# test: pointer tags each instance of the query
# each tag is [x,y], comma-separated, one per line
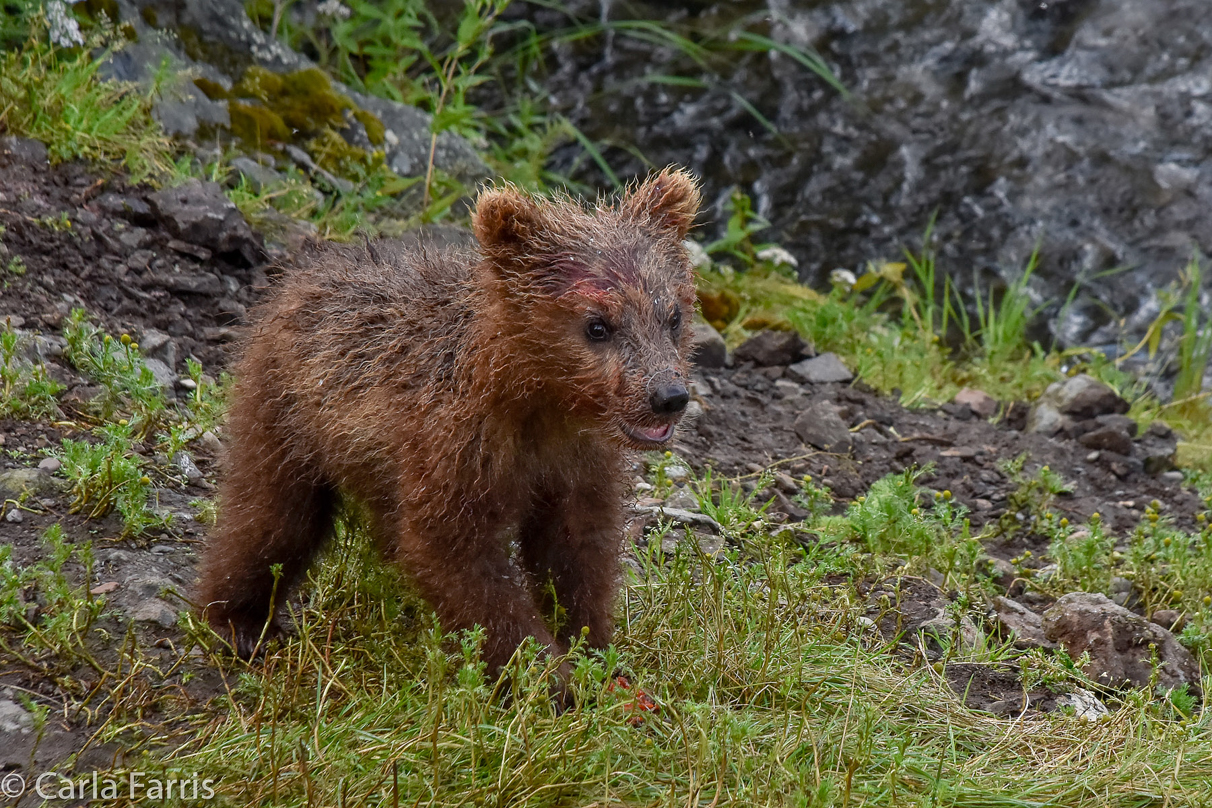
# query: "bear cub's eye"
[597,330]
[675,320]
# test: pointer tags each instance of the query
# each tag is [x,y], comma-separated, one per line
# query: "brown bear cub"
[471,401]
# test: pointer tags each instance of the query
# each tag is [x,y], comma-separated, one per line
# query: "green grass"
[771,692]
[26,389]
[55,95]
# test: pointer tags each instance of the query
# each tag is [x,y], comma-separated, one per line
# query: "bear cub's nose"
[669,399]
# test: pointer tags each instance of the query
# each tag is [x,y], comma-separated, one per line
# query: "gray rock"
[981,403]
[15,719]
[164,375]
[158,345]
[128,207]
[1158,449]
[304,161]
[1074,399]
[194,283]
[787,388]
[1108,439]
[50,465]
[211,441]
[822,427]
[1170,619]
[199,213]
[1120,643]
[1121,422]
[14,516]
[681,516]
[770,348]
[1045,419]
[147,587]
[407,138]
[707,346]
[827,367]
[156,611]
[1026,626]
[23,150]
[36,481]
[259,177]
[187,466]
[683,500]
[1084,396]
[1086,706]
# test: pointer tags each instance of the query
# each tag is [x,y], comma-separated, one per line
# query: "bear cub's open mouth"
[650,435]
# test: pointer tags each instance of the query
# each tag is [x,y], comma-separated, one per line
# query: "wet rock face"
[1080,123]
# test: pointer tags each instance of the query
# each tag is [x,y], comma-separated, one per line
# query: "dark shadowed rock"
[708,349]
[127,206]
[23,150]
[769,348]
[194,283]
[820,370]
[822,427]
[199,213]
[1121,644]
[1108,439]
[1086,397]
[1066,402]
[981,403]
[1120,422]
[1158,448]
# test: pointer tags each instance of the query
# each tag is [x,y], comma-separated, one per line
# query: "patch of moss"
[211,89]
[305,99]
[92,10]
[256,125]
[332,153]
[719,307]
[375,131]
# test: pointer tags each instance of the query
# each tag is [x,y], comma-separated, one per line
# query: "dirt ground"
[93,242]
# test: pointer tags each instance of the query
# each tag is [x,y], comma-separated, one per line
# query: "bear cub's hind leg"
[269,517]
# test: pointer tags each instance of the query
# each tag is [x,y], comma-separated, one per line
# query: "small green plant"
[1003,322]
[109,475]
[1029,505]
[1083,556]
[128,384]
[727,502]
[15,266]
[817,500]
[743,223]
[40,600]
[26,390]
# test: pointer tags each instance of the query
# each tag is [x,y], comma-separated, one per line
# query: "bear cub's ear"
[506,220]
[670,200]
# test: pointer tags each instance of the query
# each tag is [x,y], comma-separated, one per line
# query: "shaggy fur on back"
[467,399]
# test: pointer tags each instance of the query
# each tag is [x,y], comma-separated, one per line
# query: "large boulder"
[1121,644]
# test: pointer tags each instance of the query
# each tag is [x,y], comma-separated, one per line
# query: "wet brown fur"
[456,395]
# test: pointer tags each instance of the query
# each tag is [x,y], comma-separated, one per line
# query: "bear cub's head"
[605,297]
